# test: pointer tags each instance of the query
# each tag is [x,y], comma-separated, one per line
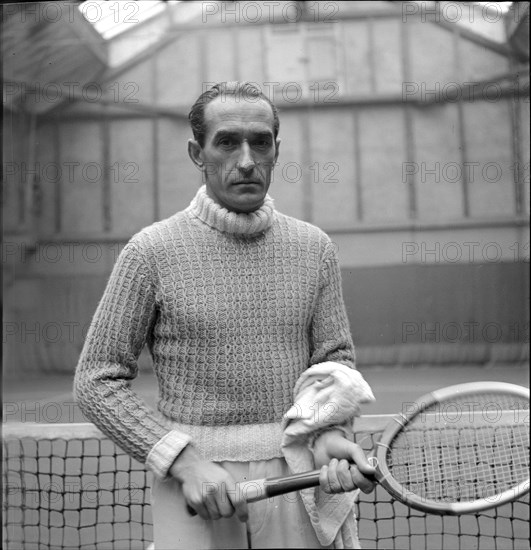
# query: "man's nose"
[246,162]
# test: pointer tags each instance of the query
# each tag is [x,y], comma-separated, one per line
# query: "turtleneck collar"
[218,217]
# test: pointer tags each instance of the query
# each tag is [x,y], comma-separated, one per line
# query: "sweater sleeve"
[330,336]
[108,363]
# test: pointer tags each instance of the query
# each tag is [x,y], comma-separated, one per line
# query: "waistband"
[240,443]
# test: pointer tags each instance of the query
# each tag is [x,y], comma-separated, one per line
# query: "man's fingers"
[323,479]
[333,480]
[362,472]
[225,507]
[212,506]
[199,508]
[242,512]
[365,484]
[203,503]
[359,458]
[344,476]
[238,503]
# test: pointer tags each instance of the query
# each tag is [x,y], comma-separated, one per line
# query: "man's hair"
[240,90]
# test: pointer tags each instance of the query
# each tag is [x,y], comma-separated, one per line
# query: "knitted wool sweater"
[233,307]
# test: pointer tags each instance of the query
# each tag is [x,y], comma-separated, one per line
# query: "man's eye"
[226,142]
[263,143]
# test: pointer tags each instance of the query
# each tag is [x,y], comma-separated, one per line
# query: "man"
[235,302]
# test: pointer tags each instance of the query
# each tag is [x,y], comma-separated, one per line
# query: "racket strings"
[464,449]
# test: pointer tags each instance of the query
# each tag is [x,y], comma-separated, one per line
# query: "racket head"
[457,450]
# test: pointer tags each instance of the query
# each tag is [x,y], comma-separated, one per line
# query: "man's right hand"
[208,488]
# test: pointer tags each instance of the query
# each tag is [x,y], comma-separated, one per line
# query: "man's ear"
[195,151]
[277,146]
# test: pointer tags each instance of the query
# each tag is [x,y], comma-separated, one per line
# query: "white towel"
[327,394]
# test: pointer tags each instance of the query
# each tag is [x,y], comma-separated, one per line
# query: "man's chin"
[246,197]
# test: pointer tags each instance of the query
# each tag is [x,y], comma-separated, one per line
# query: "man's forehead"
[231,111]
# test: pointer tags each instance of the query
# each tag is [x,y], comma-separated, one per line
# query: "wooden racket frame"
[264,488]
[395,489]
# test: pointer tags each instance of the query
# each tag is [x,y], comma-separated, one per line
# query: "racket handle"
[261,489]
[265,488]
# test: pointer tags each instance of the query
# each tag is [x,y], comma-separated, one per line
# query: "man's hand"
[208,488]
[343,464]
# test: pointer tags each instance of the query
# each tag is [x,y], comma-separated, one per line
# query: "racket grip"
[261,489]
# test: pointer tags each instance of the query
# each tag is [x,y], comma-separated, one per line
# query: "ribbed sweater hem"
[242,443]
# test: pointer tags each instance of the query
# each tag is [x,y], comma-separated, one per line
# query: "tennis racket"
[457,450]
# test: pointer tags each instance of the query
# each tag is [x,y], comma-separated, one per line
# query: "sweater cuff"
[165,451]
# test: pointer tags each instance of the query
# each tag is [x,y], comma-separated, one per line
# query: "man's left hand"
[344,466]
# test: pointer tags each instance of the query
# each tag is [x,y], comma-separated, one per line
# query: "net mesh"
[72,491]
[385,523]
[463,449]
[73,488]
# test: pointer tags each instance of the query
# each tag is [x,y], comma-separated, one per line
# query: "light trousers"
[279,522]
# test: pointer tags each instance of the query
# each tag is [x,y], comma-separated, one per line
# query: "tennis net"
[68,486]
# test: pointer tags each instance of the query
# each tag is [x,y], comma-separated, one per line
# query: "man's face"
[239,152]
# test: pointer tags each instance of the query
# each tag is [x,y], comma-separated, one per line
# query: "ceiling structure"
[51,50]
